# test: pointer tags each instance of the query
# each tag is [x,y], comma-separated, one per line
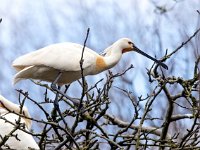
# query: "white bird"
[45,64]
[24,141]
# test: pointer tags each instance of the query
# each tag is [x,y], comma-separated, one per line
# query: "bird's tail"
[21,75]
[15,80]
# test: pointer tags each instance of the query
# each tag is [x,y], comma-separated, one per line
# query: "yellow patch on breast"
[100,64]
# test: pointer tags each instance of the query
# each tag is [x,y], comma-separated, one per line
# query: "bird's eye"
[129,42]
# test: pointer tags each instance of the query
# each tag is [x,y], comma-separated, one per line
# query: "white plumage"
[46,63]
[26,140]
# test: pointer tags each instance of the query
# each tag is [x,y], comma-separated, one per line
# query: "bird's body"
[25,140]
[45,64]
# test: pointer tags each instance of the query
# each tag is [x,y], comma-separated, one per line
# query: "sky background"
[30,25]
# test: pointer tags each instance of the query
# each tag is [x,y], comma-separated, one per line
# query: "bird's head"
[127,45]
[120,46]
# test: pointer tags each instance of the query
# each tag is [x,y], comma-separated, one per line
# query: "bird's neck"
[112,58]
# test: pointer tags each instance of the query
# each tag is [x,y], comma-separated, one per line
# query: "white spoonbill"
[45,64]
[25,141]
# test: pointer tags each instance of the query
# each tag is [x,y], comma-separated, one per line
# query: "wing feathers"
[62,56]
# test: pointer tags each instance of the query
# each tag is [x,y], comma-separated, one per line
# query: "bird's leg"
[53,114]
[56,105]
[54,87]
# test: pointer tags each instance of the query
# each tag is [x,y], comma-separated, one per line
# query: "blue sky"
[30,25]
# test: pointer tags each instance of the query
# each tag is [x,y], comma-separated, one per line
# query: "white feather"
[45,64]
[57,57]
[25,141]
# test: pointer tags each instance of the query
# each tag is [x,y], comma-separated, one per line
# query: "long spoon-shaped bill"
[157,61]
